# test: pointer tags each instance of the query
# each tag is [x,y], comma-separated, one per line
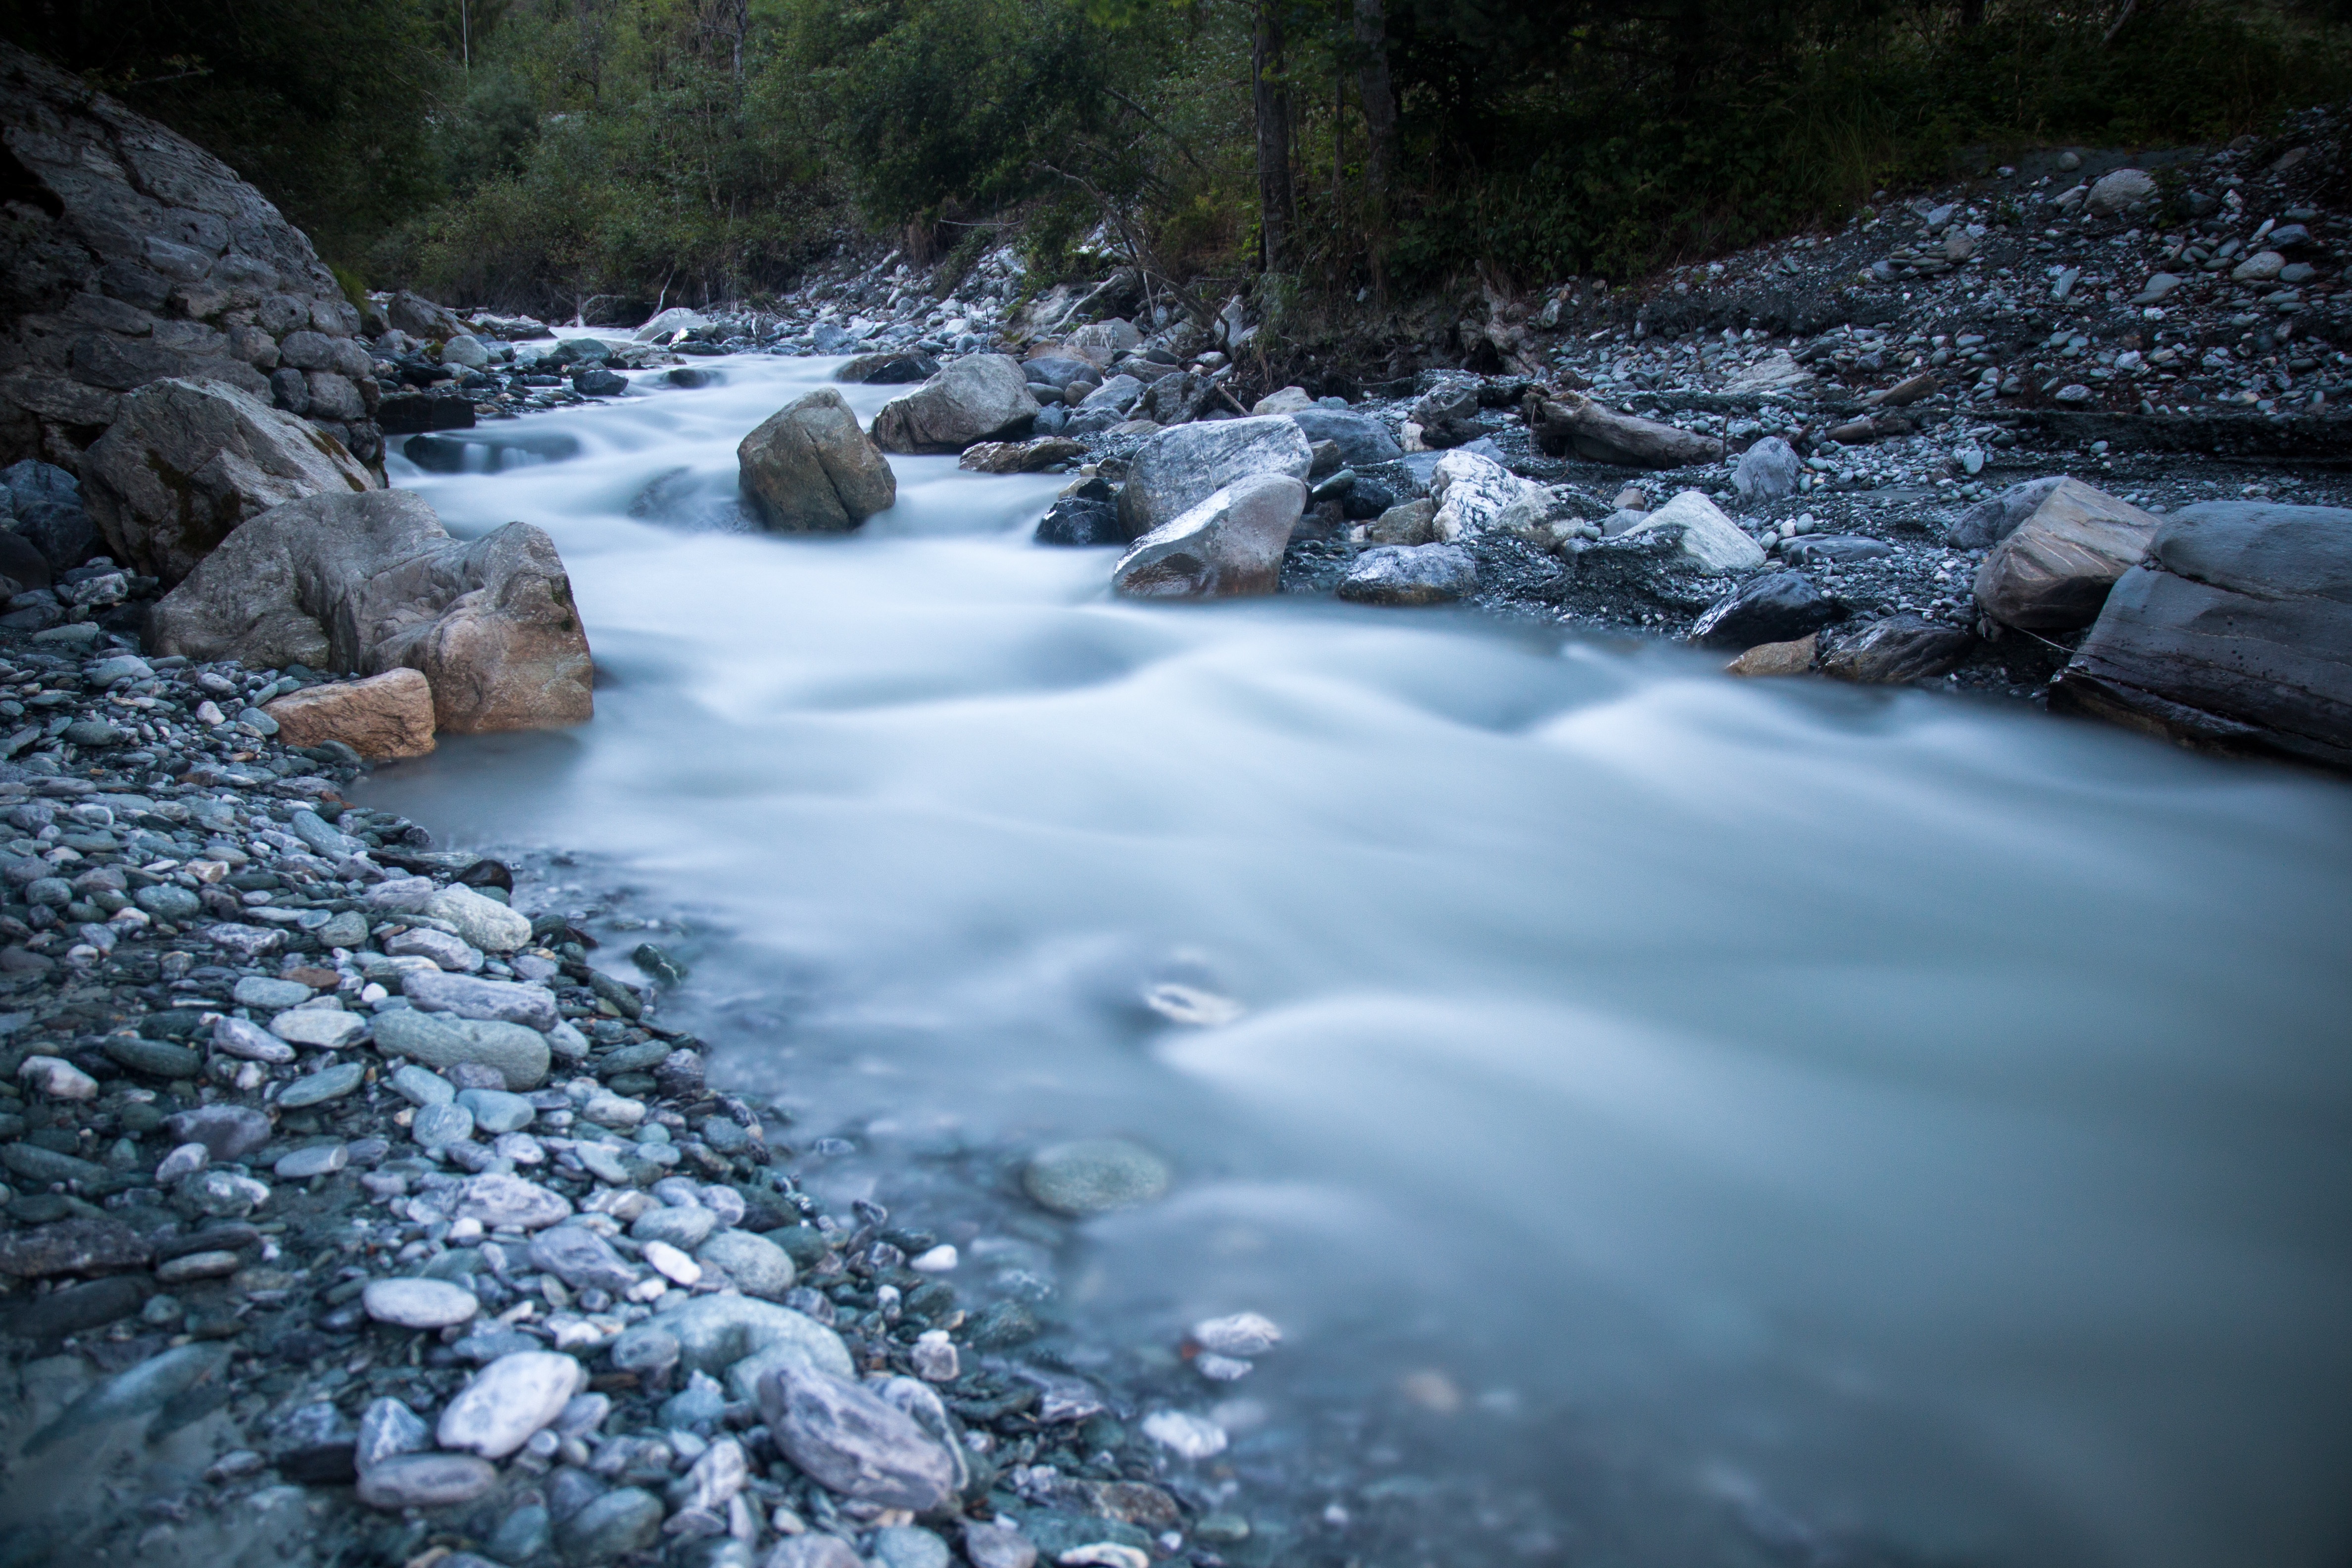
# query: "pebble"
[185,1161]
[191,1266]
[446,951]
[328,1028]
[1095,1175]
[228,1132]
[508,1400]
[418,1086]
[939,1259]
[495,1111]
[258,991]
[502,1001]
[1241,1334]
[757,1266]
[236,1037]
[319,1160]
[814,1551]
[436,1126]
[426,1481]
[904,1546]
[1188,1436]
[329,1083]
[581,1259]
[671,1264]
[225,1195]
[388,1428]
[1105,1554]
[935,1358]
[500,1200]
[684,1227]
[622,1521]
[419,1304]
[997,1545]
[57,1078]
[854,1442]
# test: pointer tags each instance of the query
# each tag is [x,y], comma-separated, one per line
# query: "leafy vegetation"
[535,152]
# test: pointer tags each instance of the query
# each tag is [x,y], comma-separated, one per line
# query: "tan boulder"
[1777,658]
[383,718]
[2053,572]
[809,468]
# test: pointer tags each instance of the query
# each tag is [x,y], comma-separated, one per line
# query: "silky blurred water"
[1895,1114]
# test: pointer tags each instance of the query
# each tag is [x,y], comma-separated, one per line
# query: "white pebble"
[939,1259]
[670,1262]
[1189,1436]
[57,1077]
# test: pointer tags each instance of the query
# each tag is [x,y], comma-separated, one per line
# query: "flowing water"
[1875,1117]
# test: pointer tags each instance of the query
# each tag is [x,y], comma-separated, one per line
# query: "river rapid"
[1740,1121]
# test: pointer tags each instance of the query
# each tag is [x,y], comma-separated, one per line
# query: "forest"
[531,153]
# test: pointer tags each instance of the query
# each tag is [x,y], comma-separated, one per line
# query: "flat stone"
[260,991]
[854,1442]
[319,1160]
[228,1132]
[624,1521]
[997,1545]
[419,1085]
[502,1200]
[458,956]
[438,1040]
[713,1332]
[581,1259]
[1095,1175]
[905,1546]
[249,1042]
[684,1227]
[507,1401]
[426,1481]
[153,1058]
[420,1304]
[317,1087]
[76,1308]
[82,1246]
[136,1391]
[191,1266]
[45,1165]
[435,1127]
[495,1111]
[328,1028]
[468,996]
[483,922]
[816,1550]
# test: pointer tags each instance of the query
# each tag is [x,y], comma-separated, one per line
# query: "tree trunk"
[1271,98]
[1380,102]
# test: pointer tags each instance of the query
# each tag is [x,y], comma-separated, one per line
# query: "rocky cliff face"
[130,255]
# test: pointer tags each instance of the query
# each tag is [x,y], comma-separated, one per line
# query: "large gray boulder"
[2053,572]
[980,397]
[2235,634]
[809,468]
[1176,469]
[365,581]
[1411,575]
[188,461]
[1229,546]
[133,256]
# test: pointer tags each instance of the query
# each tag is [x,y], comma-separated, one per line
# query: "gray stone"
[435,1127]
[507,1401]
[236,1038]
[228,1132]
[852,1443]
[371,582]
[757,1266]
[258,991]
[317,1087]
[713,1332]
[809,468]
[329,1027]
[419,1303]
[136,1391]
[1229,545]
[484,922]
[1771,607]
[498,1199]
[997,1545]
[2113,193]
[426,1481]
[1996,517]
[581,1259]
[452,953]
[813,1550]
[1175,471]
[1474,493]
[1767,471]
[419,1087]
[1095,1175]
[624,1521]
[319,1159]
[905,1546]
[230,455]
[495,1110]
[167,903]
[683,1227]
[468,996]
[1411,575]
[1708,541]
[1899,649]
[387,1429]
[980,397]
[519,1054]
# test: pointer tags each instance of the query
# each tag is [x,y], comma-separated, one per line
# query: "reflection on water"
[1892,1111]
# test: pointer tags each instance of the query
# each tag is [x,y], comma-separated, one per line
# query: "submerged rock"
[1095,1175]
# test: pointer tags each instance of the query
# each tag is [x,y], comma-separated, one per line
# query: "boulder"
[1767,471]
[1228,547]
[1565,422]
[383,718]
[1411,575]
[1777,606]
[1900,648]
[854,1442]
[677,319]
[2234,634]
[1364,440]
[1474,493]
[1710,542]
[2124,188]
[2053,572]
[1175,399]
[980,397]
[421,318]
[1776,657]
[1994,519]
[808,469]
[1103,342]
[1088,514]
[1413,522]
[1290,400]
[371,582]
[1117,394]
[1032,456]
[1176,469]
[898,367]
[187,462]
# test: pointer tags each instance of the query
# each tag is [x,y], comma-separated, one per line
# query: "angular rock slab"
[1710,542]
[1902,648]
[2053,571]
[2235,634]
[383,718]
[980,397]
[809,468]
[1228,547]
[1411,575]
[187,462]
[369,582]
[1777,606]
[1177,469]
[851,1442]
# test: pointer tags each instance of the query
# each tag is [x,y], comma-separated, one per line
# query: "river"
[1860,1117]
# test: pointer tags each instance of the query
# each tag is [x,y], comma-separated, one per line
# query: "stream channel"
[1675,1120]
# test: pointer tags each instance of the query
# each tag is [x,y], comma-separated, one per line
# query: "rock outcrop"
[368,582]
[980,397]
[809,468]
[2233,635]
[187,461]
[132,256]
[1176,469]
[1228,547]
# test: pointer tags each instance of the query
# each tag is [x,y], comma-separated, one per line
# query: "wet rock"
[137,1391]
[435,1127]
[1239,1334]
[260,991]
[1710,542]
[419,1303]
[495,1111]
[1186,1435]
[368,583]
[1777,606]
[854,1442]
[997,1545]
[1229,545]
[224,1195]
[437,991]
[683,1227]
[57,1078]
[980,397]
[1767,471]
[319,1159]
[77,1308]
[581,1259]
[236,1038]
[1363,441]
[1032,456]
[1089,516]
[508,1400]
[895,368]
[1777,658]
[481,922]
[814,1551]
[1095,1175]
[712,1333]
[1901,647]
[383,718]
[41,1165]
[757,1266]
[154,1059]
[387,1429]
[72,1247]
[186,462]
[624,1521]
[1400,574]
[2053,572]
[498,1199]
[1474,493]
[1176,470]
[228,1132]
[330,1028]
[1565,422]
[904,1546]
[809,468]
[328,1083]
[426,1481]
[2235,634]
[455,954]
[518,1055]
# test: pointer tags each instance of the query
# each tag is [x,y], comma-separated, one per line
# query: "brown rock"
[381,718]
[2053,573]
[809,468]
[1777,658]
[1020,457]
